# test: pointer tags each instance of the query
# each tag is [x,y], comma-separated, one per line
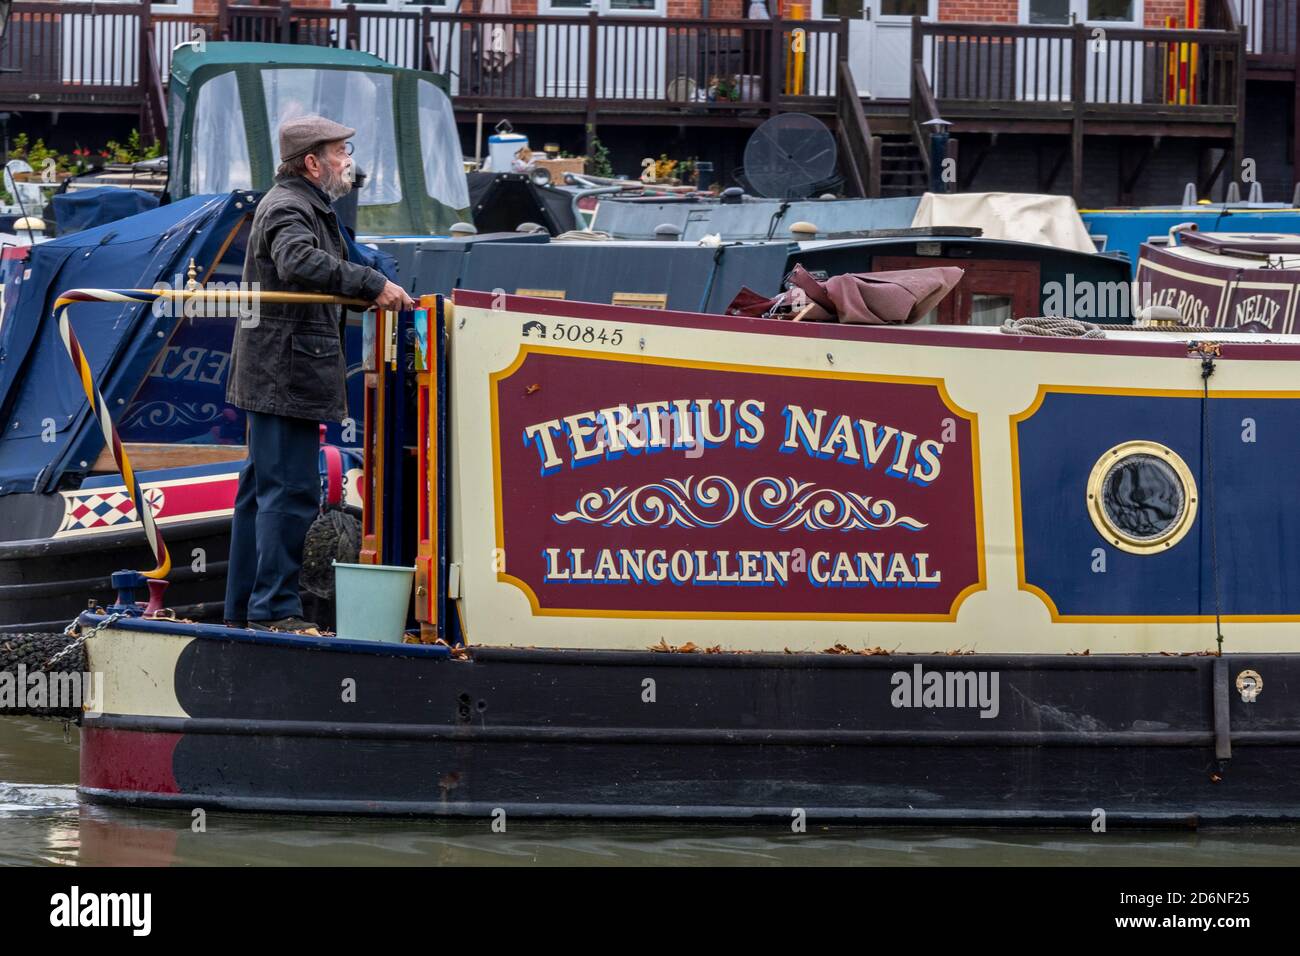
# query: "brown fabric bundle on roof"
[865,298]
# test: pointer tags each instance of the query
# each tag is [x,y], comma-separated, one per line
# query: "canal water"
[42,822]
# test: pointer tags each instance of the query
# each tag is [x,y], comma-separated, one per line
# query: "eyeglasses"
[348,146]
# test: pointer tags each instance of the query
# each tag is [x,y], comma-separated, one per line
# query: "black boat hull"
[265,723]
[46,582]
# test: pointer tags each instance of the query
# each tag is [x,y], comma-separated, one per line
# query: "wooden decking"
[591,71]
[1075,81]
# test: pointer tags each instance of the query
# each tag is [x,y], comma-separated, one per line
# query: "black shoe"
[238,625]
[294,625]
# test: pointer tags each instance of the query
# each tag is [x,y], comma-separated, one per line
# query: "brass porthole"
[1142,497]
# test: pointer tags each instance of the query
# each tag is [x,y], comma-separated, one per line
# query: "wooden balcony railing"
[1271,27]
[1023,71]
[860,149]
[69,53]
[923,108]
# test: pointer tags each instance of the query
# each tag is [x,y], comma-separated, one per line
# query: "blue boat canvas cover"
[48,429]
[88,208]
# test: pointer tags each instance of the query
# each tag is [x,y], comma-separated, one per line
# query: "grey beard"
[335,185]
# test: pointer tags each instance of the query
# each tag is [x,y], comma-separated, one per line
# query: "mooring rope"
[1207,369]
[162,559]
[1053,325]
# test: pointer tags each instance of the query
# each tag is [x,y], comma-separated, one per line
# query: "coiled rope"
[1053,325]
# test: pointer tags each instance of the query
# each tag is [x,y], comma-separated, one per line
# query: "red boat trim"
[128,760]
[1175,347]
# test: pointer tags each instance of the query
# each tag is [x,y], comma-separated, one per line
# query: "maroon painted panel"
[1208,293]
[645,487]
[129,760]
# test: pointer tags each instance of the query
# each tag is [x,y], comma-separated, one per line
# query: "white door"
[880,41]
[890,23]
[1114,67]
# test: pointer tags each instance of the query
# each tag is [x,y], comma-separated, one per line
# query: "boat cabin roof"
[1250,243]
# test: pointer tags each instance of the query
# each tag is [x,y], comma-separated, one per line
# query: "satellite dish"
[791,156]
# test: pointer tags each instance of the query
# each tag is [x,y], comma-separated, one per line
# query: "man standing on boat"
[287,368]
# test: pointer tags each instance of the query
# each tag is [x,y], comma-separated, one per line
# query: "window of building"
[398,4]
[645,8]
[1061,12]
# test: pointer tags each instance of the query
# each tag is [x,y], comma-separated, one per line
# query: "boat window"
[219,146]
[355,98]
[444,174]
[990,309]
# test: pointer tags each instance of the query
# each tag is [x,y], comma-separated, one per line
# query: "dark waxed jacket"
[288,360]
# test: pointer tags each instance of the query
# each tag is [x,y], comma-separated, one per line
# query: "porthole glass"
[1142,497]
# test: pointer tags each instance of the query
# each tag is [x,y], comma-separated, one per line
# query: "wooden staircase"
[902,169]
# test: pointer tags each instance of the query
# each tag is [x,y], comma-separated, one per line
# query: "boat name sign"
[654,487]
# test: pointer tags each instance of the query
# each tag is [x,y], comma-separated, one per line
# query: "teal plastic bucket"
[371,601]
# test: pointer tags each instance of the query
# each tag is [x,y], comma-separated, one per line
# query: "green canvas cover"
[228,99]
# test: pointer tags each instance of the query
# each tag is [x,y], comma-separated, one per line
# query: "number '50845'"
[586,333]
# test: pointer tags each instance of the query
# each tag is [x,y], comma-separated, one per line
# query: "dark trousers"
[278,499]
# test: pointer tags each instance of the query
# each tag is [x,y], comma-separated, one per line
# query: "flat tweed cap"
[302,134]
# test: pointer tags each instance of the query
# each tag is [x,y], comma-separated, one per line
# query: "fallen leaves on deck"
[865,652]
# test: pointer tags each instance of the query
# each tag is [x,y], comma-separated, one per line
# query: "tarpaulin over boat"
[49,428]
[503,201]
[87,208]
[1020,217]
[141,361]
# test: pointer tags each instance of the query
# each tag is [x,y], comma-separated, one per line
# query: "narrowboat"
[166,374]
[1245,280]
[682,565]
[1127,230]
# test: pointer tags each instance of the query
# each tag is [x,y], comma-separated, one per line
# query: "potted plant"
[47,165]
[724,88]
[81,161]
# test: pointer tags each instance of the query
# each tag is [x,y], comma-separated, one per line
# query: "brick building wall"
[979,11]
[1157,10]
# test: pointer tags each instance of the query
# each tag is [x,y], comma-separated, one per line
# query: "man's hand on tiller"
[394,297]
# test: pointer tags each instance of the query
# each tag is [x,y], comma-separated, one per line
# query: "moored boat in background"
[1228,280]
